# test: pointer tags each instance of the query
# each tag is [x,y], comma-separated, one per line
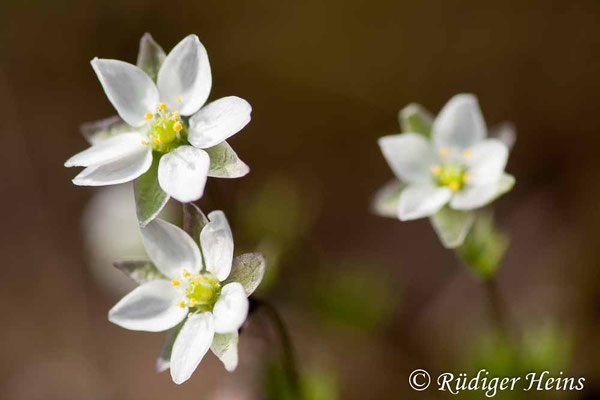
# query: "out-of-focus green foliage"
[315,384]
[541,348]
[357,298]
[484,247]
[274,218]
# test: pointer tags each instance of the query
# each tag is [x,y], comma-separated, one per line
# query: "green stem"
[288,353]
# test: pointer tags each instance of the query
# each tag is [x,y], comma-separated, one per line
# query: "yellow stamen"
[193,302]
[177,126]
[196,279]
[467,153]
[148,115]
[162,106]
[156,141]
[186,273]
[443,152]
[179,99]
[466,178]
[145,142]
[436,170]
[454,186]
[175,282]
[181,304]
[175,114]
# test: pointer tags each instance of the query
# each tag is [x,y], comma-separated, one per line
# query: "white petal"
[231,309]
[185,73]
[225,347]
[478,196]
[487,162]
[191,345]
[182,173]
[151,307]
[113,148]
[460,123]
[418,201]
[409,155]
[218,120]
[120,170]
[170,248]
[217,245]
[128,88]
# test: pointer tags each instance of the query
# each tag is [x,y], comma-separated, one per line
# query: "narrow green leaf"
[163,361]
[415,118]
[224,162]
[385,201]
[96,131]
[193,221]
[149,197]
[140,271]
[248,269]
[452,226]
[150,56]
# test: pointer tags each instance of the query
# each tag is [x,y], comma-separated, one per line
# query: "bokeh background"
[367,299]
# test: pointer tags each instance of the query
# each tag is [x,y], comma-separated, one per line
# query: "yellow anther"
[179,99]
[193,302]
[148,115]
[454,186]
[175,114]
[156,140]
[186,273]
[177,126]
[145,142]
[162,106]
[443,152]
[467,153]
[197,279]
[466,178]
[175,282]
[181,304]
[436,170]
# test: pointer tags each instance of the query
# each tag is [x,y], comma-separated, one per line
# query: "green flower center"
[167,129]
[453,176]
[201,291]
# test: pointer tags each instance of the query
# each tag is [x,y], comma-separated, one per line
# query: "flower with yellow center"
[167,119]
[213,306]
[459,166]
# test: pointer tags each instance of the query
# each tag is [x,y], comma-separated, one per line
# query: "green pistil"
[450,175]
[203,291]
[167,132]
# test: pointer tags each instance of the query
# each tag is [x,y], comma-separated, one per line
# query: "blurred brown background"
[325,79]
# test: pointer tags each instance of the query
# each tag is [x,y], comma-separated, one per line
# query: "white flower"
[168,119]
[459,166]
[187,288]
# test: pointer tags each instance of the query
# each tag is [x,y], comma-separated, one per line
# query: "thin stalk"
[288,353]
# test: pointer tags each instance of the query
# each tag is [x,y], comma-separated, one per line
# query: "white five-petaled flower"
[460,166]
[168,119]
[193,291]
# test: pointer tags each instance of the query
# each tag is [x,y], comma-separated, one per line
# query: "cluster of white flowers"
[191,286]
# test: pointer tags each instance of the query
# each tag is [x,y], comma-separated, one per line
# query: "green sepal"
[150,56]
[415,118]
[249,270]
[163,362]
[225,163]
[141,271]
[149,197]
[452,226]
[484,247]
